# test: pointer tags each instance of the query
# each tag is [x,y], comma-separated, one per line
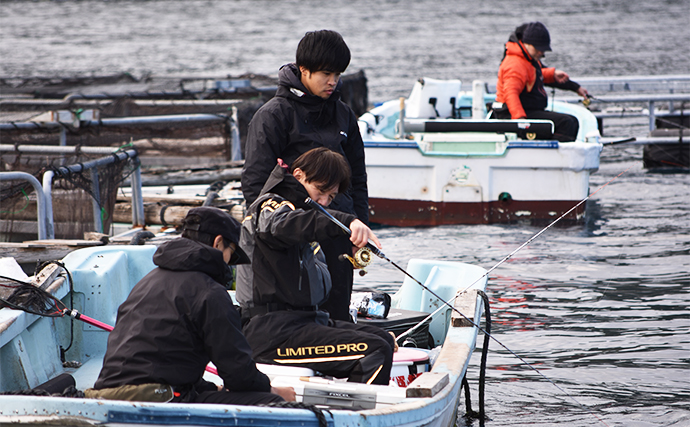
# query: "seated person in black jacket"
[281,291]
[178,318]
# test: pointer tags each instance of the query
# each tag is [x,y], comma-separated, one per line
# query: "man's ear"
[303,70]
[298,174]
[218,243]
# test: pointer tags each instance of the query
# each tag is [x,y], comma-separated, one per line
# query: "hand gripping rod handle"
[320,208]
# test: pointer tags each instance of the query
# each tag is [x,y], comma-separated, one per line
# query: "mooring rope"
[318,412]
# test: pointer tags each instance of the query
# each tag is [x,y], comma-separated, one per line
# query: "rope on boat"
[323,422]
[70,391]
[485,351]
[469,413]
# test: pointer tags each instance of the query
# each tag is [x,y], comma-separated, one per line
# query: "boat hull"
[413,213]
[102,278]
[472,171]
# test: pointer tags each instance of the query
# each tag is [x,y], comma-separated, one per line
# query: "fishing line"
[510,255]
[378,252]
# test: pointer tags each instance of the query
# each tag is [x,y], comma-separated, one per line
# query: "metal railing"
[45,224]
[649,99]
[44,191]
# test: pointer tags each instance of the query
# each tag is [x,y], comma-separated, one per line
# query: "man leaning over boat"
[178,318]
[281,292]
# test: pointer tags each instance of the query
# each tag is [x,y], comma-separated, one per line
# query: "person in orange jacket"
[520,89]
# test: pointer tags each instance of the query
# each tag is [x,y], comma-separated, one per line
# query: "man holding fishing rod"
[306,113]
[178,318]
[282,290]
[520,89]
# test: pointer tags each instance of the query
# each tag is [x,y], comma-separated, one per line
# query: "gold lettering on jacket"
[273,205]
[321,350]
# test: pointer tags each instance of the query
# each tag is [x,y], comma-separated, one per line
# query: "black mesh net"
[72,194]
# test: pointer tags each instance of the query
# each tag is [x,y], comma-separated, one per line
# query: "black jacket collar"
[282,183]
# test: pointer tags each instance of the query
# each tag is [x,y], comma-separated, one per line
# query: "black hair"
[323,50]
[325,168]
[199,236]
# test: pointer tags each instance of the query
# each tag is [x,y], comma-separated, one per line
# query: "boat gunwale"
[90,411]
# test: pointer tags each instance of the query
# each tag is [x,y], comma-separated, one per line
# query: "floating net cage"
[73,194]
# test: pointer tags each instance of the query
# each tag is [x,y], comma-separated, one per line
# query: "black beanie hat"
[537,35]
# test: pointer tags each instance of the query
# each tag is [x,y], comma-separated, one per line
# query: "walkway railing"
[44,192]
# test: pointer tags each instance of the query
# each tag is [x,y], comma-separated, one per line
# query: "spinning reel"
[362,258]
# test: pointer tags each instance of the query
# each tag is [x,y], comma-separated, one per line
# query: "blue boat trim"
[533,144]
[511,144]
[219,418]
[392,144]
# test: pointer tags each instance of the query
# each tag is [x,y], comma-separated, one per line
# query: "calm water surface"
[601,309]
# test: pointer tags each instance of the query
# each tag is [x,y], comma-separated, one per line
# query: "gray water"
[601,309]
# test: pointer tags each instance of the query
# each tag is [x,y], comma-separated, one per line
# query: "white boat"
[447,163]
[30,348]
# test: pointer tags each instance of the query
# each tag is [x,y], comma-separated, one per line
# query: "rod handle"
[346,229]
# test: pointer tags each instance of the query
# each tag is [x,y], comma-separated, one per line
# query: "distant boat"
[447,163]
[102,278]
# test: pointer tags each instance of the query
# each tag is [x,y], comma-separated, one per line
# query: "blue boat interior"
[33,348]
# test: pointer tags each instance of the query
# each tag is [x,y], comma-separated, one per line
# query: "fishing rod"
[510,255]
[378,252]
[375,250]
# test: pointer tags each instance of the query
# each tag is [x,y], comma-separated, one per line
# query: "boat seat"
[433,98]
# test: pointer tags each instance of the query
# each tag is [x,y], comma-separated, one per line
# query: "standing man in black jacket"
[178,318]
[307,113]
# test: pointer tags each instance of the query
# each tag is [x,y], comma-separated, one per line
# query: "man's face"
[319,83]
[533,51]
[228,251]
[322,197]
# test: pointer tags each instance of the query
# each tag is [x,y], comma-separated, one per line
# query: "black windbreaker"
[292,123]
[280,235]
[177,319]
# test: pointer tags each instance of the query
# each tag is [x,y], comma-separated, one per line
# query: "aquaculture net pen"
[73,193]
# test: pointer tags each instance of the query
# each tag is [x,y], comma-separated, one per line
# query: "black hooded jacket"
[280,234]
[294,122]
[177,319]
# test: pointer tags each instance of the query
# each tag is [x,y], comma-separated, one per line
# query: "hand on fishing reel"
[347,231]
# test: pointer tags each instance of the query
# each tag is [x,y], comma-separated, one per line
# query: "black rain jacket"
[292,123]
[177,319]
[280,234]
